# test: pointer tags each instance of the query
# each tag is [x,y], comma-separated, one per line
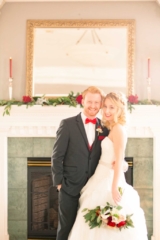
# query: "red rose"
[133,99]
[109,219]
[121,224]
[101,137]
[110,223]
[27,99]
[79,99]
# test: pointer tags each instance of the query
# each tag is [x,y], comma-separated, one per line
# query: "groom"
[75,156]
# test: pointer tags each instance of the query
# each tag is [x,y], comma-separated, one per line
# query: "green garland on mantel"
[72,100]
[142,102]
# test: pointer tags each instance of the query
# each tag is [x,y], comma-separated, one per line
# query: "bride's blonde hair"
[120,101]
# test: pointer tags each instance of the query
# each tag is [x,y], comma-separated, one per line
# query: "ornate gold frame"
[32,24]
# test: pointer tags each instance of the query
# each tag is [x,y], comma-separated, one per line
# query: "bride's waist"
[104,170]
[108,165]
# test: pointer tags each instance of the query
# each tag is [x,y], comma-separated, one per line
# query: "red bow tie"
[91,120]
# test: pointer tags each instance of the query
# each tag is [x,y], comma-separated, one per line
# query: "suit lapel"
[96,133]
[81,128]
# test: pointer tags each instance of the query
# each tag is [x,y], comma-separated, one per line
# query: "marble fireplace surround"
[38,121]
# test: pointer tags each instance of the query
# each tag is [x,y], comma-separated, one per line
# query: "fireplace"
[129,173]
[42,200]
[42,122]
[43,197]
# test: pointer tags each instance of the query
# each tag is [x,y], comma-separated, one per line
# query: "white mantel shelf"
[144,118]
[38,121]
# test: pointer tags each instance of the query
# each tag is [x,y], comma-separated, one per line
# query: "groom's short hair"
[93,89]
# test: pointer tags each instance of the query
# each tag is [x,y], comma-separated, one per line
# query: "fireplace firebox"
[43,198]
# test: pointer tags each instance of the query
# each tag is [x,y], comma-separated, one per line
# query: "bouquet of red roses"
[112,216]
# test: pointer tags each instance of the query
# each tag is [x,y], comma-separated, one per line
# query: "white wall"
[13,37]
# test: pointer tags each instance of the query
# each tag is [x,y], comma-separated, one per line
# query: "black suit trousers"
[68,206]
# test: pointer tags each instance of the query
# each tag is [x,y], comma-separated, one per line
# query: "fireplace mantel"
[144,120]
[38,121]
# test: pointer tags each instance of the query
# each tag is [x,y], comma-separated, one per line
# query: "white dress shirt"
[90,130]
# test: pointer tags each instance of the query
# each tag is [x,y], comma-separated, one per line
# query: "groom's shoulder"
[71,119]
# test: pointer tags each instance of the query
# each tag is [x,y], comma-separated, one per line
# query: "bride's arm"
[119,142]
[125,165]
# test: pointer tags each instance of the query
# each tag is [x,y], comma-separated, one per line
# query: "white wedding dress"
[97,192]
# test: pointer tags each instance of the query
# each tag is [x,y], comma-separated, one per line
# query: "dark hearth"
[129,173]
[43,198]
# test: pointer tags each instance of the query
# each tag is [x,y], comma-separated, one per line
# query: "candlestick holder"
[149,90]
[10,88]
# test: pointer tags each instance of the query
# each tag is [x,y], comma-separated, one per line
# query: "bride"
[103,186]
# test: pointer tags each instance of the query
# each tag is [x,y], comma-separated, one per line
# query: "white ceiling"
[76,0]
[2,2]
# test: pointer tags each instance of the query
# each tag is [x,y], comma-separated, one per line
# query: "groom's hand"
[59,187]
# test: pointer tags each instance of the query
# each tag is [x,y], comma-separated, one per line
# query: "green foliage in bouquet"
[92,217]
[111,216]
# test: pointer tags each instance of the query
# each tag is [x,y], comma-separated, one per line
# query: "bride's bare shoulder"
[118,129]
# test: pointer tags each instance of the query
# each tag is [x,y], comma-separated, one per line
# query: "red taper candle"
[10,67]
[148,67]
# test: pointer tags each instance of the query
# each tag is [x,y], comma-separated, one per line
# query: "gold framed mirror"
[69,55]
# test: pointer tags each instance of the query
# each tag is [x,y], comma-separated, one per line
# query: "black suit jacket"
[72,161]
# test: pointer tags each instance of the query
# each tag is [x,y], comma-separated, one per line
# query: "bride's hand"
[116,195]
